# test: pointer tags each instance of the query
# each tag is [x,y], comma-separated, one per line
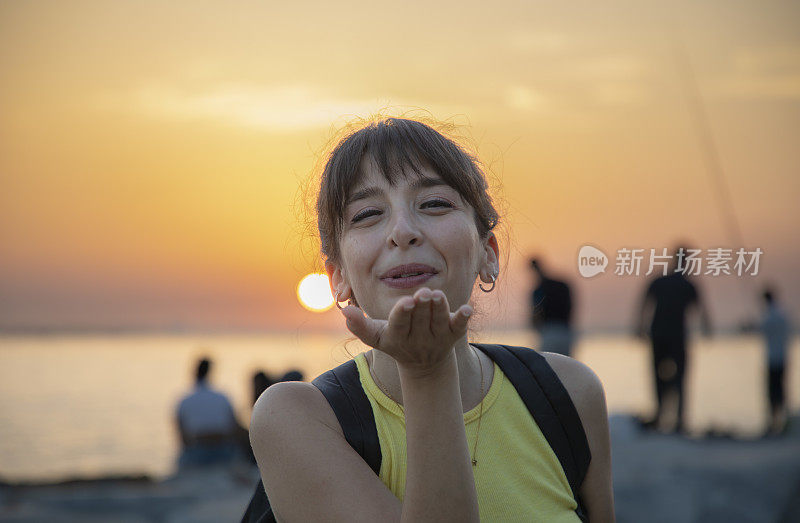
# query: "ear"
[491,262]
[337,281]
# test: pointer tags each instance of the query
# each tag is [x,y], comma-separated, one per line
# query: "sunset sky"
[153,154]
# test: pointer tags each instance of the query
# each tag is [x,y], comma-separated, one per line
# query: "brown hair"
[396,144]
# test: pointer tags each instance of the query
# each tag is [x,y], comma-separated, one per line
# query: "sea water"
[97,405]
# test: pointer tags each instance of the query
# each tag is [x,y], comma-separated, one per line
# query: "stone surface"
[657,478]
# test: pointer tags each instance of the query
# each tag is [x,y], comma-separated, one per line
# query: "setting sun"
[314,292]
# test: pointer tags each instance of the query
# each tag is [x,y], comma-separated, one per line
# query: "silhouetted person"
[261,382]
[775,328]
[672,296]
[292,375]
[207,424]
[551,306]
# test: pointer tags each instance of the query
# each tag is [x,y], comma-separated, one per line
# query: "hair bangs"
[398,148]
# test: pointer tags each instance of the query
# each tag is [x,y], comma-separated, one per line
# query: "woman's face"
[397,239]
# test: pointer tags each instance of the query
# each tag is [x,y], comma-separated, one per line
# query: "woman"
[406,230]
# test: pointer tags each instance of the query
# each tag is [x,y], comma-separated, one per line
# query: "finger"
[421,315]
[400,317]
[363,327]
[459,319]
[440,313]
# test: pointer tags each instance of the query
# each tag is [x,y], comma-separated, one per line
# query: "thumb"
[459,319]
[362,326]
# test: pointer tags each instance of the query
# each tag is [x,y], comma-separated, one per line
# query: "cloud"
[541,41]
[781,87]
[767,59]
[522,98]
[614,79]
[280,108]
[615,66]
[762,73]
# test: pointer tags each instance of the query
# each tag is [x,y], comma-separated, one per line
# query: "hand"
[420,332]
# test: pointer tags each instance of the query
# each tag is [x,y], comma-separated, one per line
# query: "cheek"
[461,240]
[357,255]
[354,249]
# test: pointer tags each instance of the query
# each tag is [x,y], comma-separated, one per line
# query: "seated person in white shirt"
[207,424]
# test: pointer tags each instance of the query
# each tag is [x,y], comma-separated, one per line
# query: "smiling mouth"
[406,276]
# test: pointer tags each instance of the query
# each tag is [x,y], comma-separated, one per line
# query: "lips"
[408,275]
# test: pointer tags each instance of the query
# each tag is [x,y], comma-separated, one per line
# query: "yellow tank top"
[518,476]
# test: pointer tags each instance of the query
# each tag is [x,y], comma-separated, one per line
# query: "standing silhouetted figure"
[551,305]
[671,297]
[775,328]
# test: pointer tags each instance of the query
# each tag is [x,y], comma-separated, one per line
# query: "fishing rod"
[713,164]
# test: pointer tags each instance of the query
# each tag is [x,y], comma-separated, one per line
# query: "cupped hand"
[420,332]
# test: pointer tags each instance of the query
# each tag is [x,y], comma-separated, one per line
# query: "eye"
[436,203]
[364,214]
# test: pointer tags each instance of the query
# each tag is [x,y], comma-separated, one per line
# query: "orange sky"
[151,153]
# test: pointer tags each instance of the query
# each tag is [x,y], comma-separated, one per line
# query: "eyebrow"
[422,182]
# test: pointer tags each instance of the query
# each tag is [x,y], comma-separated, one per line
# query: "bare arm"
[586,392]
[439,482]
[312,474]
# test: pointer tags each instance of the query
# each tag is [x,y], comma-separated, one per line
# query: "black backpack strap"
[535,381]
[259,511]
[341,386]
[551,407]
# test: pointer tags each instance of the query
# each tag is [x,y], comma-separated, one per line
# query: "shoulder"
[584,388]
[289,405]
[204,397]
[217,395]
[184,399]
[303,455]
[578,378]
[187,399]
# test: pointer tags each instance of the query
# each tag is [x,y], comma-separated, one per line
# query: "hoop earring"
[336,301]
[490,289]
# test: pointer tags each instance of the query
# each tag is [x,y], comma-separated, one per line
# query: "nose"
[404,231]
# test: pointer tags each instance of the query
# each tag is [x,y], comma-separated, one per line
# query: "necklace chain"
[480,415]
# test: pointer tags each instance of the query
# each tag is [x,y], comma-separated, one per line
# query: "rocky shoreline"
[657,478]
